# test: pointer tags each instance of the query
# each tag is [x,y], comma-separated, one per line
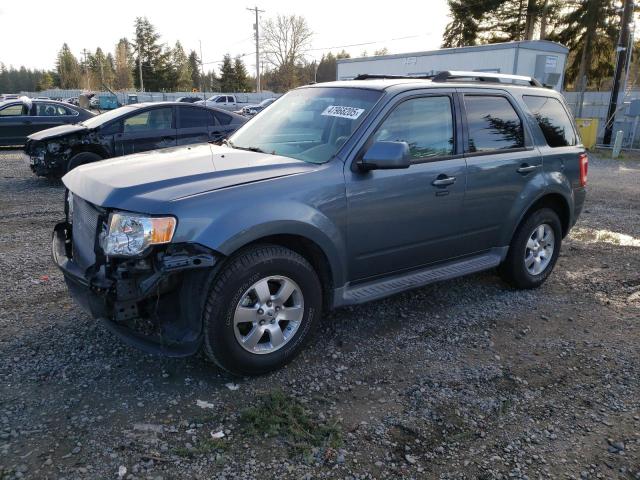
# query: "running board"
[365,292]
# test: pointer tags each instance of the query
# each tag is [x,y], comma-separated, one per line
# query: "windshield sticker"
[343,112]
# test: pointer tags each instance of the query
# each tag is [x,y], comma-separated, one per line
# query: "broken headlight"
[130,234]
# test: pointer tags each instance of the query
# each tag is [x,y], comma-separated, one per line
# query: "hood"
[58,131]
[144,182]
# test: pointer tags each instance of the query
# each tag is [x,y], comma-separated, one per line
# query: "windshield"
[103,118]
[266,102]
[309,124]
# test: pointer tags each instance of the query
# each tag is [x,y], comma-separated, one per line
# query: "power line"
[257,34]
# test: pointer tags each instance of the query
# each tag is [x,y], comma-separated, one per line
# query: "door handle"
[526,168]
[443,180]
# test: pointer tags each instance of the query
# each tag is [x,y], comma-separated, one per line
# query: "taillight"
[584,168]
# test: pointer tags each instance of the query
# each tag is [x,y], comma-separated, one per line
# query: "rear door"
[194,124]
[49,115]
[501,161]
[151,129]
[223,126]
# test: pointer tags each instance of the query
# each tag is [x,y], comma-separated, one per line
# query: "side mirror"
[386,156]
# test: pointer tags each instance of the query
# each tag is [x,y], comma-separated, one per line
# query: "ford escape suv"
[338,194]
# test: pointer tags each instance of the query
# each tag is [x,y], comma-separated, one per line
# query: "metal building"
[541,59]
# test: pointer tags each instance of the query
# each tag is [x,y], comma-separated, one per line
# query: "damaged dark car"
[126,130]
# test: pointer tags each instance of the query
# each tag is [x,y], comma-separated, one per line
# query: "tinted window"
[12,110]
[156,119]
[194,118]
[426,124]
[553,120]
[51,110]
[221,99]
[222,118]
[493,124]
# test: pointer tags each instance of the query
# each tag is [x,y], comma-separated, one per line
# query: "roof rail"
[484,77]
[373,76]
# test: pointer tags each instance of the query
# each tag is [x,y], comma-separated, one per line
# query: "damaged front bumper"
[43,163]
[152,303]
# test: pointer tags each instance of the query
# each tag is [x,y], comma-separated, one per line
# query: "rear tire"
[81,159]
[262,308]
[534,250]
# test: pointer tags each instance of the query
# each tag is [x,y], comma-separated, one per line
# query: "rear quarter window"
[553,120]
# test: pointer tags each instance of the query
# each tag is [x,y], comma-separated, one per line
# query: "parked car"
[188,99]
[339,194]
[252,110]
[129,129]
[226,102]
[71,100]
[94,102]
[8,96]
[21,117]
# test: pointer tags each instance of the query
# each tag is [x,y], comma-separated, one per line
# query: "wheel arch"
[556,202]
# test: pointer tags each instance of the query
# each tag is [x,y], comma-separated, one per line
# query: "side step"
[365,292]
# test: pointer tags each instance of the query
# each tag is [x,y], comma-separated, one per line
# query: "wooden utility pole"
[256,27]
[621,67]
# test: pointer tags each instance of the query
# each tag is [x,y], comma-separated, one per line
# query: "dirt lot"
[464,379]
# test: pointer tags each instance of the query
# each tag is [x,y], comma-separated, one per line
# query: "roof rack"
[373,76]
[485,77]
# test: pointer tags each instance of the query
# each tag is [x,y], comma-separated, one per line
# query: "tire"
[518,268]
[235,295]
[82,158]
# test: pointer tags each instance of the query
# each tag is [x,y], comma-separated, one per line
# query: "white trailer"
[540,59]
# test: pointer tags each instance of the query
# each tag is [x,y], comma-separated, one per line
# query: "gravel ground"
[463,379]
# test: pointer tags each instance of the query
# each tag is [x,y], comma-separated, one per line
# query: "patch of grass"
[282,416]
[208,445]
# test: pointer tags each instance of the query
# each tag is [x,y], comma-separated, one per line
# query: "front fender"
[236,228]
[543,184]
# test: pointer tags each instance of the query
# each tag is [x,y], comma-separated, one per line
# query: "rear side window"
[553,120]
[493,124]
[222,118]
[191,117]
[52,110]
[426,124]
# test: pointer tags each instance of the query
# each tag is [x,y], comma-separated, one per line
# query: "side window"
[155,119]
[493,124]
[15,110]
[51,110]
[230,99]
[222,118]
[426,124]
[221,99]
[553,120]
[192,117]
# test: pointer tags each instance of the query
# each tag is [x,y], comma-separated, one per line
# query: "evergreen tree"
[150,53]
[182,69]
[194,65]
[227,75]
[241,77]
[45,82]
[68,68]
[123,75]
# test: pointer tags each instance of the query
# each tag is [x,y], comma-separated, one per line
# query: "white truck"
[226,102]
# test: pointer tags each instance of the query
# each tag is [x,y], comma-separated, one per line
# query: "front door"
[401,219]
[14,124]
[150,129]
[194,124]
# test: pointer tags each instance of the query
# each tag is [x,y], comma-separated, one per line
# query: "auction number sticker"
[343,112]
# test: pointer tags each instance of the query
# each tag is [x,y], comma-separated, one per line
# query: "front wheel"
[261,309]
[82,158]
[534,250]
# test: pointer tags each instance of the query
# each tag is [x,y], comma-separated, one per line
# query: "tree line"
[589,28]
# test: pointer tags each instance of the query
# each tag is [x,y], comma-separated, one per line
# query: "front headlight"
[130,234]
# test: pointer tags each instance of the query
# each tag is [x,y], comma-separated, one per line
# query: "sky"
[222,27]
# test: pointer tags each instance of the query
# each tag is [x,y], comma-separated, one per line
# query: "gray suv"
[338,194]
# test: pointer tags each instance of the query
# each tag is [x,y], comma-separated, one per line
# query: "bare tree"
[285,40]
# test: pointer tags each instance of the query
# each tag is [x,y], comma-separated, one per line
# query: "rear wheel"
[534,250]
[82,158]
[261,309]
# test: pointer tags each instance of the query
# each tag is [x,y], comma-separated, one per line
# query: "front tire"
[81,159]
[534,250]
[261,310]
